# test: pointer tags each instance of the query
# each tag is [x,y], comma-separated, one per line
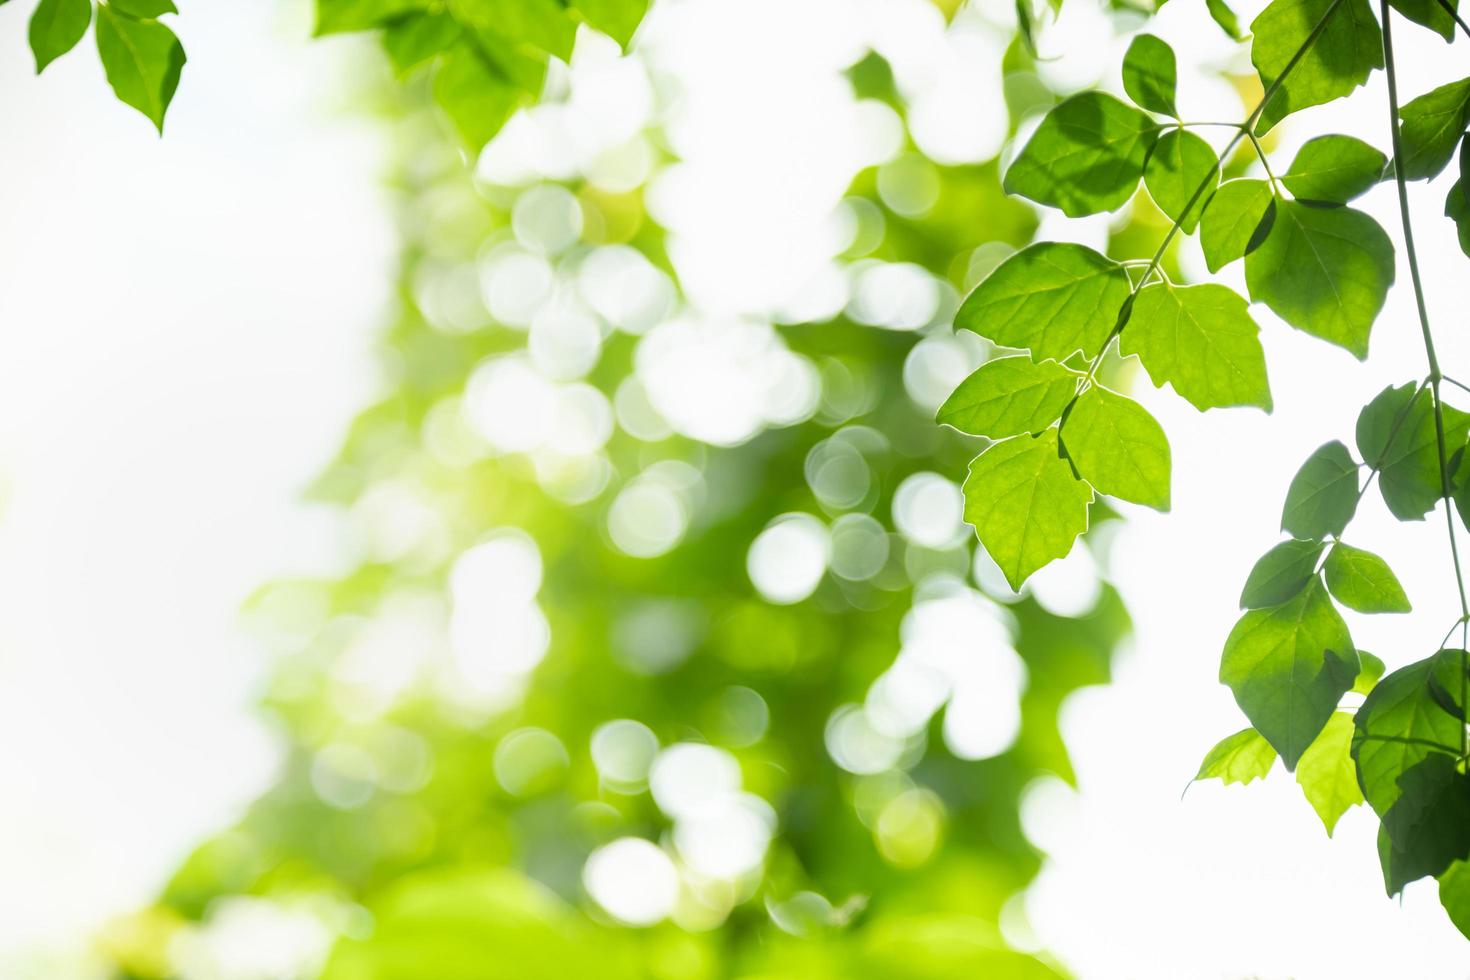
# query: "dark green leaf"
[1280,573]
[1201,340]
[1326,772]
[1241,758]
[143,60]
[1396,433]
[1325,271]
[1348,49]
[1118,447]
[1009,396]
[1432,126]
[1448,674]
[1181,169]
[1086,156]
[1362,581]
[1429,13]
[1236,221]
[1053,299]
[1334,169]
[1288,666]
[56,27]
[1150,74]
[414,40]
[618,19]
[337,16]
[1323,495]
[1026,506]
[1367,677]
[1225,17]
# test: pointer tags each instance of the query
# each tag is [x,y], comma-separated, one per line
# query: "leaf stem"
[1435,375]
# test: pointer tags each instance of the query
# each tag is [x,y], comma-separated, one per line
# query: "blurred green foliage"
[433,818]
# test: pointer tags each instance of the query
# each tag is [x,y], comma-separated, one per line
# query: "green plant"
[1322,267]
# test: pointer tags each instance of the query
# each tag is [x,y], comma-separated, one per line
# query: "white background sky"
[183,328]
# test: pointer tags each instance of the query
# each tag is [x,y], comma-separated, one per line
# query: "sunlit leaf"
[1053,299]
[1118,447]
[1326,772]
[1430,13]
[1349,47]
[1224,16]
[1362,581]
[338,16]
[1397,433]
[1325,271]
[1280,573]
[1334,169]
[1150,74]
[144,9]
[1009,396]
[1086,156]
[1026,506]
[1202,340]
[142,59]
[1432,126]
[618,19]
[1454,895]
[1323,495]
[1236,221]
[1181,169]
[1288,666]
[1368,677]
[477,99]
[1240,758]
[414,40]
[55,28]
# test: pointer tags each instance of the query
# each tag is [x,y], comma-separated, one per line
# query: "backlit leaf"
[1118,447]
[1150,74]
[1181,169]
[1432,126]
[1362,581]
[1430,13]
[1368,677]
[1325,271]
[1225,17]
[414,40]
[1201,340]
[1396,433]
[1334,169]
[1086,156]
[1323,495]
[477,99]
[1288,666]
[1326,772]
[1454,895]
[55,28]
[1240,758]
[1349,47]
[142,59]
[1009,396]
[618,19]
[1280,573]
[1053,299]
[1236,221]
[338,16]
[1026,506]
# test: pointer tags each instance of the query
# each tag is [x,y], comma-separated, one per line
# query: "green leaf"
[1432,126]
[1150,74]
[1405,747]
[1025,505]
[1201,340]
[1334,169]
[143,60]
[338,16]
[1288,666]
[1448,676]
[415,39]
[1367,677]
[1327,774]
[1225,17]
[1349,47]
[1362,581]
[56,27]
[1323,495]
[1280,573]
[144,9]
[1325,271]
[477,98]
[541,26]
[618,19]
[1457,208]
[1236,221]
[1086,156]
[1397,434]
[1454,895]
[1118,447]
[1241,758]
[1182,168]
[1054,299]
[1009,396]
[1430,14]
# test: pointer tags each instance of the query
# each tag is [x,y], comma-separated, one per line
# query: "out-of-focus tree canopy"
[664,650]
